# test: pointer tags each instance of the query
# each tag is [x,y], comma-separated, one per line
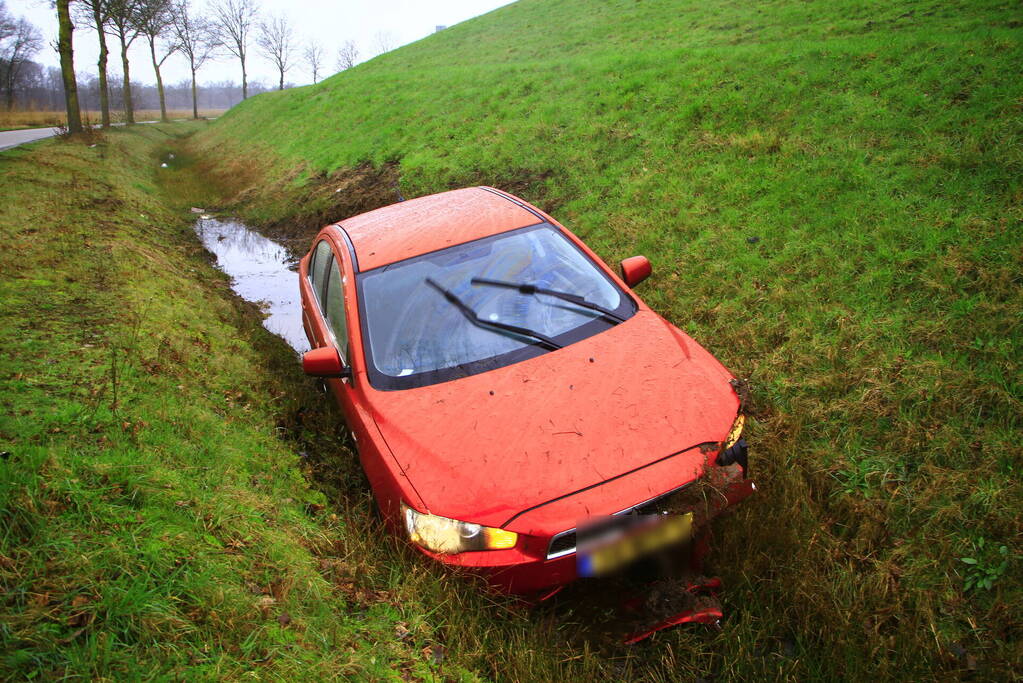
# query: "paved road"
[13,138]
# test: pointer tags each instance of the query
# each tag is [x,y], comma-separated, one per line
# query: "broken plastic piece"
[706,615]
[672,602]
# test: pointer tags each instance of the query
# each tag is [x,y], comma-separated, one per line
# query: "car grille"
[564,543]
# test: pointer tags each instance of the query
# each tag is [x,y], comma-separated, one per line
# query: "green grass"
[153,524]
[177,500]
[831,195]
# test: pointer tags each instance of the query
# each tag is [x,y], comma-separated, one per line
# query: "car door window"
[312,260]
[318,267]
[334,307]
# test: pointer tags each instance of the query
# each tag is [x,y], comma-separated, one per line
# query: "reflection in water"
[261,271]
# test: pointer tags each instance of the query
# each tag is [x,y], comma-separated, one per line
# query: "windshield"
[414,335]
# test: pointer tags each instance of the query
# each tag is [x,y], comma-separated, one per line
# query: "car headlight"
[450,536]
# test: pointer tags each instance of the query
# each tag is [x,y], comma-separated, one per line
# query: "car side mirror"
[325,362]
[635,269]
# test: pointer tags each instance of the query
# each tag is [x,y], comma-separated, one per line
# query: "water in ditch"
[261,271]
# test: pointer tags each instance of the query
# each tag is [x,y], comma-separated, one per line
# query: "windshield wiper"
[472,317]
[527,288]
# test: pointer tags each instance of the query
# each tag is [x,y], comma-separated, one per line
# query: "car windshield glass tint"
[411,329]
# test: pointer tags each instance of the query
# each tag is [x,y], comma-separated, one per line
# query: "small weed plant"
[986,567]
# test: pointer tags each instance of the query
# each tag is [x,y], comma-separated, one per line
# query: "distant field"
[14,120]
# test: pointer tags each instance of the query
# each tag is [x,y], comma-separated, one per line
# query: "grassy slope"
[830,193]
[151,523]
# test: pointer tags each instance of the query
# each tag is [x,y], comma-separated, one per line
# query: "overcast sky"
[329,23]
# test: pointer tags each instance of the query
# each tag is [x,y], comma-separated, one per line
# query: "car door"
[325,317]
[329,307]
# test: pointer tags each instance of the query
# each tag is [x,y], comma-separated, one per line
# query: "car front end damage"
[663,588]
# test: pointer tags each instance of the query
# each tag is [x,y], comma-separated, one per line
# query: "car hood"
[488,447]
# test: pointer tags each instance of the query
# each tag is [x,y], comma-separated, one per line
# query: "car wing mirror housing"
[325,362]
[635,269]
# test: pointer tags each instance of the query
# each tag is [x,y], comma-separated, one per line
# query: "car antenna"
[397,191]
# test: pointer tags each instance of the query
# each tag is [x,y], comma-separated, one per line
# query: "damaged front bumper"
[538,568]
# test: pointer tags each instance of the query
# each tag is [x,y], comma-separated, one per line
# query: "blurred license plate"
[614,543]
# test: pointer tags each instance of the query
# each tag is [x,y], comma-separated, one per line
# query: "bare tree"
[6,23]
[97,13]
[21,45]
[275,39]
[234,20]
[347,55]
[196,41]
[123,24]
[314,58]
[155,20]
[67,66]
[384,42]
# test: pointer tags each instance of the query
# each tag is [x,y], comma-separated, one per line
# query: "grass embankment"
[831,197]
[152,521]
[17,120]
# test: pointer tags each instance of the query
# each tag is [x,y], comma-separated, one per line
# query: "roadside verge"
[151,520]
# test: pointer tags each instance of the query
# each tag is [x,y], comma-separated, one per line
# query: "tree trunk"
[281,86]
[245,83]
[104,95]
[195,98]
[67,67]
[159,81]
[129,108]
[9,85]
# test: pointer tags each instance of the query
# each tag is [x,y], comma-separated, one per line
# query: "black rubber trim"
[351,247]
[517,202]
[601,483]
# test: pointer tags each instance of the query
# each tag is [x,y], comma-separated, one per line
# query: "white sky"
[329,23]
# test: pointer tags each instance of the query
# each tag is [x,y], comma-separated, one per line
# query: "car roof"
[418,226]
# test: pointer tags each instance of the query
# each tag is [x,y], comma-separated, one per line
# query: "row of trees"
[19,42]
[39,87]
[225,28]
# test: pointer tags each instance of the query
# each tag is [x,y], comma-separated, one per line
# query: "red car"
[504,385]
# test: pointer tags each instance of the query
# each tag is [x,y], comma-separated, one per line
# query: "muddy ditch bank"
[291,211]
[291,205]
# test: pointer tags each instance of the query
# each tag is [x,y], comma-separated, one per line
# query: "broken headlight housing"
[734,449]
[450,536]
